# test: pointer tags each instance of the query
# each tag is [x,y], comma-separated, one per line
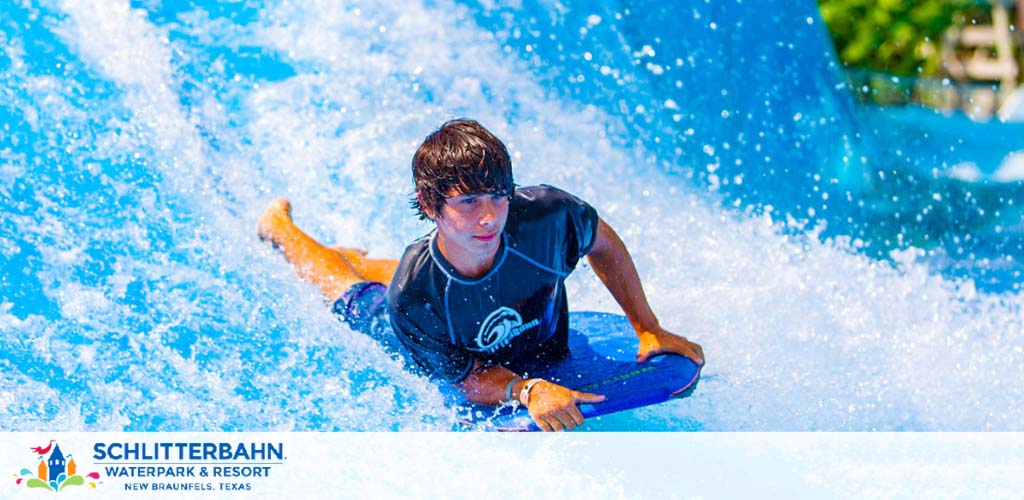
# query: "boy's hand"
[660,341]
[553,407]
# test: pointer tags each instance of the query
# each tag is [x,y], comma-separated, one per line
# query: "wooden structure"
[987,53]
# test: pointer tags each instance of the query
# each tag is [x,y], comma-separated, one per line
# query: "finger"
[646,353]
[543,425]
[555,424]
[586,397]
[565,420]
[696,354]
[576,416]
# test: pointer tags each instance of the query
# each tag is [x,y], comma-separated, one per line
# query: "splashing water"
[772,220]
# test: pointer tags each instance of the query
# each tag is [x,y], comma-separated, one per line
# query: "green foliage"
[39,483]
[75,480]
[896,36]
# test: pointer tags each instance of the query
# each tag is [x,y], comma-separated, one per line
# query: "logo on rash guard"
[500,327]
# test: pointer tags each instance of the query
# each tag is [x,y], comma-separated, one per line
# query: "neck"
[468,264]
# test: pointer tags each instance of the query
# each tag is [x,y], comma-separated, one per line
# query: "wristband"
[508,388]
[524,395]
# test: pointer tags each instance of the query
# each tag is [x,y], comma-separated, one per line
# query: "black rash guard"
[517,313]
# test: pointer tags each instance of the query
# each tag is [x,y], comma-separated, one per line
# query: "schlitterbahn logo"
[188,466]
[55,471]
[157,466]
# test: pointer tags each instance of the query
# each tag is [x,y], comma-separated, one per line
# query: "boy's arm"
[614,266]
[552,407]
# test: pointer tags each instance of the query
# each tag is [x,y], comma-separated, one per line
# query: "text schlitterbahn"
[202,465]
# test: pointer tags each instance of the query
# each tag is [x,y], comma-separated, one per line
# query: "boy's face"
[472,223]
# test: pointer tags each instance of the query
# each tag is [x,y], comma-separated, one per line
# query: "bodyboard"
[602,360]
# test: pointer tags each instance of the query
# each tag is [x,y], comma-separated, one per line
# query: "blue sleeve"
[424,334]
[583,230]
[578,223]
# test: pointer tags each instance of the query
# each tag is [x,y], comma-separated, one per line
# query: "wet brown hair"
[461,156]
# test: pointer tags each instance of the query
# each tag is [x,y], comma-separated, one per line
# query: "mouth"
[487,238]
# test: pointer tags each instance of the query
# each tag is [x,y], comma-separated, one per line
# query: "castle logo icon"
[54,471]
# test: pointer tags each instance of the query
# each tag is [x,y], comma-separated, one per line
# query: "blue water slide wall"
[747,99]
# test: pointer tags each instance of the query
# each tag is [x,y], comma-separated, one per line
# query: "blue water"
[845,268]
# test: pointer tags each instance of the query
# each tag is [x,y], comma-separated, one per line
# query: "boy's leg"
[328,269]
[379,270]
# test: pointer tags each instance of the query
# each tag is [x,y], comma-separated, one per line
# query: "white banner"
[476,465]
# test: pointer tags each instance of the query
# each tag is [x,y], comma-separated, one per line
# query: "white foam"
[966,171]
[1011,169]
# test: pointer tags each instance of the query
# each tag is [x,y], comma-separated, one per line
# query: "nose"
[488,216]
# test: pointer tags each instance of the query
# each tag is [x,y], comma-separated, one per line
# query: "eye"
[469,200]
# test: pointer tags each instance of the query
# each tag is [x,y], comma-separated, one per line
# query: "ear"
[429,211]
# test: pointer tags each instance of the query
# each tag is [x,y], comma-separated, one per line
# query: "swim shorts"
[364,308]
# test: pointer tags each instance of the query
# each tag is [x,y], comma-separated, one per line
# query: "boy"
[481,299]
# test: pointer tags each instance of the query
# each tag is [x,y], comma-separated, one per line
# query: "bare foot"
[277,213]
